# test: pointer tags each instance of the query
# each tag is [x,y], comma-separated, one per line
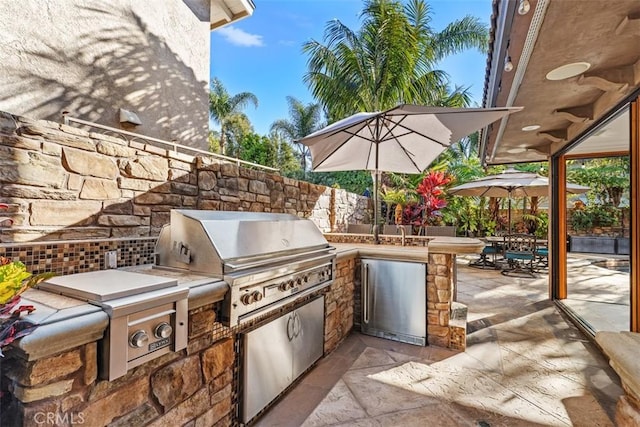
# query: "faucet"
[404,235]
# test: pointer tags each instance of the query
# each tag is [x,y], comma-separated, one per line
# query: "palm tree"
[304,120]
[392,59]
[223,107]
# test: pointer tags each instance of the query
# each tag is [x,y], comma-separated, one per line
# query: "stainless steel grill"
[267,260]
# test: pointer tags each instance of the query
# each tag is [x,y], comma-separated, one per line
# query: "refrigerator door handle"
[365,293]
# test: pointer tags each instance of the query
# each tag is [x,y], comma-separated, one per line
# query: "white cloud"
[239,37]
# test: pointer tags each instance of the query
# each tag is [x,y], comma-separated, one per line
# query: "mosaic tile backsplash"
[70,257]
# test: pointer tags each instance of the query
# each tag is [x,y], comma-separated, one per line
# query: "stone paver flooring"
[525,365]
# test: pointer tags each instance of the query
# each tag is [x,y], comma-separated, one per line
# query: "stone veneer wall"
[194,385]
[440,287]
[64,183]
[339,305]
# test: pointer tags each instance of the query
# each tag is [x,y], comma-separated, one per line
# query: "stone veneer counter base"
[55,368]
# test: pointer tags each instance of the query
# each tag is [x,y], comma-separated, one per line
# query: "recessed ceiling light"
[569,70]
[516,150]
[530,128]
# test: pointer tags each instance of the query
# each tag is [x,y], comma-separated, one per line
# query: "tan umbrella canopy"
[404,139]
[511,183]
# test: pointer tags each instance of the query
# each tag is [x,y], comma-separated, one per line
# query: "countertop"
[443,245]
[66,322]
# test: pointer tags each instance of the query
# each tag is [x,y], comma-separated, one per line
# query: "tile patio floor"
[525,365]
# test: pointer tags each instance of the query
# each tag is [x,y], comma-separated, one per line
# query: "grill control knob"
[138,339]
[298,281]
[246,299]
[290,284]
[257,296]
[283,286]
[163,330]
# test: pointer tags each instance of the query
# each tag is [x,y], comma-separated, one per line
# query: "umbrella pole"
[375,208]
[509,212]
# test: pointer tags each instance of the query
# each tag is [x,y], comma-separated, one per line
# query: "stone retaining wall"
[65,183]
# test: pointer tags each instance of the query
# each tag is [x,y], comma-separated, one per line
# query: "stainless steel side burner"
[148,315]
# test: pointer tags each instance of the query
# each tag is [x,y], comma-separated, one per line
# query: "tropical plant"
[237,128]
[223,107]
[304,120]
[608,178]
[269,151]
[432,195]
[391,59]
[591,216]
[468,218]
[358,182]
[397,197]
[14,280]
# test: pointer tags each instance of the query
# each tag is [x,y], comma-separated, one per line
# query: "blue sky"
[262,54]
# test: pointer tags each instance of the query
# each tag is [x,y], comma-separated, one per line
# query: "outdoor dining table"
[493,247]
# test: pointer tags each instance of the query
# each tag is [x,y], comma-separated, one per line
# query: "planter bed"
[596,245]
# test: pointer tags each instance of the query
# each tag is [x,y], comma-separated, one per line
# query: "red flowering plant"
[14,280]
[432,195]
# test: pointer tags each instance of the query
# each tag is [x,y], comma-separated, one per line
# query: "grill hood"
[220,242]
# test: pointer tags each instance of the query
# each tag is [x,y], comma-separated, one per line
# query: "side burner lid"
[105,285]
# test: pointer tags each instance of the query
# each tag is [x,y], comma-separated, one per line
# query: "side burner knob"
[246,299]
[163,330]
[138,339]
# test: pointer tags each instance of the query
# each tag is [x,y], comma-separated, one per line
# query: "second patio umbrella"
[511,183]
[404,139]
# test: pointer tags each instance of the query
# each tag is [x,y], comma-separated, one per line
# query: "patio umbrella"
[511,183]
[404,139]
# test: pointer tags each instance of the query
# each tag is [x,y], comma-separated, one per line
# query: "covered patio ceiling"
[601,39]
[221,12]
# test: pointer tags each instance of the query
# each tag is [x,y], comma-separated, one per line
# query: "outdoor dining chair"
[520,254]
[542,257]
[359,228]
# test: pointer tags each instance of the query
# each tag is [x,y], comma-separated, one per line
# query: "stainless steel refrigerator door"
[308,342]
[394,301]
[267,365]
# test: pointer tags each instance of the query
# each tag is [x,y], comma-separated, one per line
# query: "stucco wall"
[92,58]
